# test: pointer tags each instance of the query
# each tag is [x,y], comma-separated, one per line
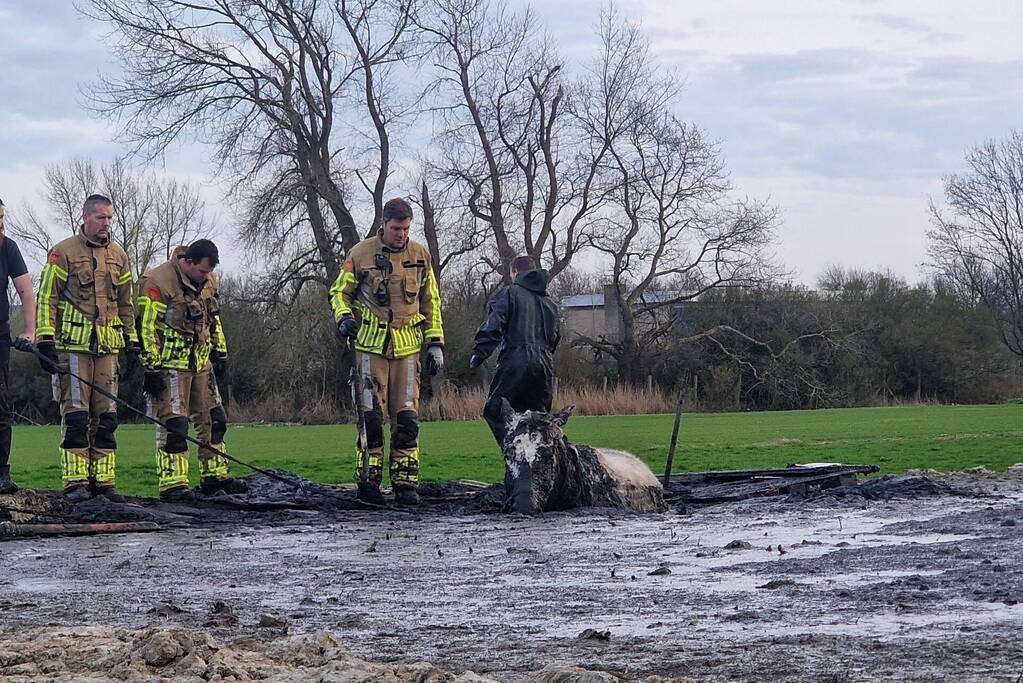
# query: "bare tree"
[153,214]
[506,139]
[673,233]
[978,246]
[258,80]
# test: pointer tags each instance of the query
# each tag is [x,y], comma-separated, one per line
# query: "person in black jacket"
[12,266]
[523,320]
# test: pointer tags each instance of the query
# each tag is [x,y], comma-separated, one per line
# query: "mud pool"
[823,588]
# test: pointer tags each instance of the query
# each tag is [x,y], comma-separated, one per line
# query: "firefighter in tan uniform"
[83,318]
[386,298]
[179,327]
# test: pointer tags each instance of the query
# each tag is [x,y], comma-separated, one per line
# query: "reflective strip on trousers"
[76,386]
[367,382]
[410,384]
[74,468]
[174,386]
[173,469]
[106,468]
[215,465]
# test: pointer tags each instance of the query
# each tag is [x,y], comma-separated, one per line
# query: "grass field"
[942,437]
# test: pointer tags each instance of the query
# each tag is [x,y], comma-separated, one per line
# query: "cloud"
[896,23]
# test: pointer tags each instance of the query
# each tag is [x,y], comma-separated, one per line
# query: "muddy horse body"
[545,472]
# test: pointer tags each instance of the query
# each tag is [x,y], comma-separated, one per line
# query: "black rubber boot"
[178,494]
[213,485]
[406,495]
[6,484]
[77,493]
[369,492]
[108,491]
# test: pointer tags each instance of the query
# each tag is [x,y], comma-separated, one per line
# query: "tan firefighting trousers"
[390,390]
[88,419]
[187,396]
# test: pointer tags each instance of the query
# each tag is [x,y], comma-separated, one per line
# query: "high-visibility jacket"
[393,294]
[84,302]
[178,322]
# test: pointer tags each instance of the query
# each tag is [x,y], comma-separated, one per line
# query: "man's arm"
[125,310]
[429,306]
[51,281]
[491,331]
[23,285]
[150,308]
[342,292]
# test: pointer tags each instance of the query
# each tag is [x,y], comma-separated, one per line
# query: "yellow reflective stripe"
[172,468]
[150,310]
[124,279]
[75,328]
[46,316]
[346,281]
[435,325]
[106,467]
[110,336]
[407,340]
[220,341]
[74,467]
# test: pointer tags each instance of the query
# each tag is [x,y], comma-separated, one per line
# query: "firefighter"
[218,376]
[523,320]
[179,327]
[387,300]
[84,317]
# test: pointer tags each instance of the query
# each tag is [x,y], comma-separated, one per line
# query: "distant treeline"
[859,339]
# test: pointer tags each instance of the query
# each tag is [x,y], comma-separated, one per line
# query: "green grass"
[942,437]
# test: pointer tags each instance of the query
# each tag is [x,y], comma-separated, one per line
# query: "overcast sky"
[846,114]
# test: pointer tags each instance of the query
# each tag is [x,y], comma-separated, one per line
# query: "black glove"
[475,360]
[434,360]
[153,383]
[219,361]
[48,356]
[132,351]
[348,327]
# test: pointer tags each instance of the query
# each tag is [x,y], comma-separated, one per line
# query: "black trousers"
[524,378]
[6,418]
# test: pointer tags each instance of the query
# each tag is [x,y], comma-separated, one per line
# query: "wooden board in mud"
[708,488]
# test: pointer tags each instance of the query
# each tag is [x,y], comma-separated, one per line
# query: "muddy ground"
[910,579]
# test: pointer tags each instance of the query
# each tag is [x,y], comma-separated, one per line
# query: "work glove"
[434,360]
[219,361]
[48,356]
[153,383]
[475,360]
[132,351]
[348,327]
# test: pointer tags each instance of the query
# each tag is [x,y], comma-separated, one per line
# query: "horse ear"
[561,417]
[507,413]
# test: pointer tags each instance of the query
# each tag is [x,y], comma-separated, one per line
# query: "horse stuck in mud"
[544,472]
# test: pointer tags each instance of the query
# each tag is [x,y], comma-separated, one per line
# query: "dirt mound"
[102,654]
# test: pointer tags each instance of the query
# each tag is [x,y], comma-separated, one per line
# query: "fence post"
[674,433]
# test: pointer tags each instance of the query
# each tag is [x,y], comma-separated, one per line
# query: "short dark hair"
[202,249]
[396,209]
[523,263]
[93,202]
[1,202]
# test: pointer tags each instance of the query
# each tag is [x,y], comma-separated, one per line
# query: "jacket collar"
[90,243]
[386,249]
